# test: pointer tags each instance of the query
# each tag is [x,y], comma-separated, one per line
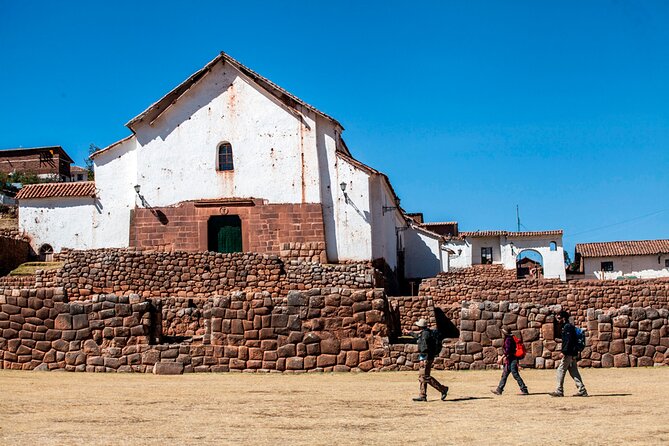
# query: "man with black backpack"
[429,346]
[513,351]
[572,344]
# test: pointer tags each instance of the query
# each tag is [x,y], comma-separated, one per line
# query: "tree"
[567,259]
[89,161]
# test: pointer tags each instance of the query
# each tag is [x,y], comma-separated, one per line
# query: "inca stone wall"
[328,329]
[124,310]
[624,337]
[13,252]
[201,274]
[576,296]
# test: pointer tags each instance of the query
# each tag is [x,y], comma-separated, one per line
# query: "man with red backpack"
[513,351]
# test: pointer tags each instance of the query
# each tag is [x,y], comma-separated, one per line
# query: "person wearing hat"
[429,346]
[570,355]
[510,364]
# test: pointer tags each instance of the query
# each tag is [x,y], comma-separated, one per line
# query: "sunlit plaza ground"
[626,406]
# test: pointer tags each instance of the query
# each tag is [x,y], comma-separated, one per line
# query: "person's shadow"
[469,398]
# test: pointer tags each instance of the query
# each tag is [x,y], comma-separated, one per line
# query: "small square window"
[666,263]
[607,266]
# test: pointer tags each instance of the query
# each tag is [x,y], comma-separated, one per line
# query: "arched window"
[553,246]
[46,253]
[225,157]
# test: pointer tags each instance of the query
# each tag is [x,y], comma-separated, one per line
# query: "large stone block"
[473,347]
[548,332]
[294,363]
[621,360]
[63,322]
[617,346]
[607,360]
[168,368]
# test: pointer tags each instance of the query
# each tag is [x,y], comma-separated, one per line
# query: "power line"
[619,223]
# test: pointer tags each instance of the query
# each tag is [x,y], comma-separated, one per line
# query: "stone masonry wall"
[13,252]
[265,227]
[575,296]
[328,329]
[201,274]
[624,337]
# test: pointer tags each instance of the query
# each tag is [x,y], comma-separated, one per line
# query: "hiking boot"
[496,392]
[444,394]
[584,394]
[556,394]
[420,398]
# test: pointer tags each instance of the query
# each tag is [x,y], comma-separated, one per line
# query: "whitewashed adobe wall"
[553,261]
[642,267]
[387,234]
[274,146]
[423,255]
[350,235]
[506,252]
[115,178]
[462,257]
[60,222]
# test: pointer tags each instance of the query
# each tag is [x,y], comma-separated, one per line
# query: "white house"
[506,248]
[642,259]
[229,161]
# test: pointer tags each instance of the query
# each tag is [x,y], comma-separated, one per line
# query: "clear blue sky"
[470,107]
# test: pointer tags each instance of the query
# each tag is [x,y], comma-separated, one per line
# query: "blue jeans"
[512,368]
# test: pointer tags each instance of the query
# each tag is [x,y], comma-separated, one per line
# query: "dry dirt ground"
[627,406]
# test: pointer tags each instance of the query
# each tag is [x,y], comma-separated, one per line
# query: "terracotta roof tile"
[625,248]
[509,233]
[51,190]
[439,223]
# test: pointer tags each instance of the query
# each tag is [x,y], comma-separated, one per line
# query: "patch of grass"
[29,268]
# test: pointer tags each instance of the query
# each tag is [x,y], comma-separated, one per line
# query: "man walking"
[429,346]
[510,364]
[570,352]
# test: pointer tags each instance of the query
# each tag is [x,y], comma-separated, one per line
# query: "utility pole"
[518,218]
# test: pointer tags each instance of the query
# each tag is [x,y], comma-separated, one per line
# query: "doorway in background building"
[225,233]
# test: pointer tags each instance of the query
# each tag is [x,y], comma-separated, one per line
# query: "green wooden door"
[225,234]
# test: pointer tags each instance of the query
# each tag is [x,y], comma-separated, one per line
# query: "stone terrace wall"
[162,274]
[13,252]
[41,330]
[618,338]
[17,281]
[328,329]
[496,272]
[575,296]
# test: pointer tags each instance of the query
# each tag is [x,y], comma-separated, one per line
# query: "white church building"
[228,161]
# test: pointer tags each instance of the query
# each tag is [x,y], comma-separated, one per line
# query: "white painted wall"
[552,261]
[462,257]
[485,242]
[388,234]
[506,251]
[642,267]
[423,255]
[352,214]
[60,222]
[115,178]
[274,147]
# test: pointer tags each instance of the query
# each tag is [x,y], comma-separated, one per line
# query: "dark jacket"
[426,336]
[569,341]
[509,347]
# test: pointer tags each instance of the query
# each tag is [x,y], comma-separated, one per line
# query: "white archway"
[529,264]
